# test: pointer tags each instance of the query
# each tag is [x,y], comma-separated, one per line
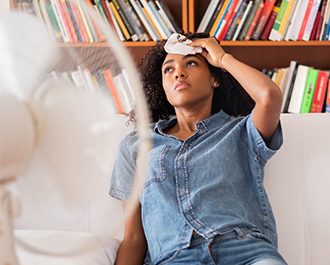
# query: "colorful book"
[285,20]
[167,17]
[236,20]
[311,20]
[296,24]
[298,89]
[320,92]
[305,19]
[74,21]
[113,91]
[68,19]
[90,31]
[242,21]
[121,23]
[60,20]
[53,21]
[327,102]
[270,22]
[219,17]
[321,20]
[249,20]
[214,16]
[230,21]
[287,90]
[161,22]
[115,22]
[261,23]
[137,21]
[309,91]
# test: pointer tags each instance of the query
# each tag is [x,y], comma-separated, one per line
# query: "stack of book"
[115,86]
[131,20]
[305,89]
[274,20]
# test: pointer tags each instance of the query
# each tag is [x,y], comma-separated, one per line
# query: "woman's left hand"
[212,51]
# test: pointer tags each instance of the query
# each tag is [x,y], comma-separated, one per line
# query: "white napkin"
[177,44]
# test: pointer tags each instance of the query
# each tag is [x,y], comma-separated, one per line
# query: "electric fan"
[58,135]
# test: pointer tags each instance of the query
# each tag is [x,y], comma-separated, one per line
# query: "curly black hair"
[228,96]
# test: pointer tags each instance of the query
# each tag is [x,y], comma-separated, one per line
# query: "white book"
[207,15]
[154,19]
[311,20]
[123,93]
[91,87]
[241,24]
[165,17]
[60,21]
[298,89]
[291,20]
[298,20]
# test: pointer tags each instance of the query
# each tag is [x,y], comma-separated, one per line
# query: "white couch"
[297,181]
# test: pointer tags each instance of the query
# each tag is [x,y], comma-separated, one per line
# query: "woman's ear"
[215,82]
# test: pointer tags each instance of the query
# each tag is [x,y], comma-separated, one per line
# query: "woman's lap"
[231,249]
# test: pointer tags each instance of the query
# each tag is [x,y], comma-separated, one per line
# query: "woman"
[203,201]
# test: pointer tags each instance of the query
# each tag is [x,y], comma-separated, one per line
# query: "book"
[123,92]
[74,21]
[306,102]
[296,24]
[79,19]
[113,91]
[249,20]
[305,19]
[292,18]
[137,21]
[327,32]
[120,34]
[53,21]
[166,15]
[144,20]
[226,18]
[298,89]
[236,20]
[79,79]
[317,19]
[311,20]
[149,20]
[230,20]
[320,92]
[327,102]
[270,21]
[321,20]
[121,23]
[243,20]
[161,22]
[285,20]
[261,23]
[325,21]
[219,17]
[154,19]
[287,90]
[282,13]
[254,21]
[60,20]
[214,16]
[207,15]
[66,14]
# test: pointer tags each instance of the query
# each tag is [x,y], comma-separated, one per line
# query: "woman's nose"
[180,74]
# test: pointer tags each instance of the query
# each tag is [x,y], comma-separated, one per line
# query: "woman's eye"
[167,70]
[190,63]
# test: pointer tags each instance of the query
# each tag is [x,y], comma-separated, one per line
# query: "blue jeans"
[235,248]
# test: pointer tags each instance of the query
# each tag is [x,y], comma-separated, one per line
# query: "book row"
[131,20]
[115,86]
[274,20]
[305,89]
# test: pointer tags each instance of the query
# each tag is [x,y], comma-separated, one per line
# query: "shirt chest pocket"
[157,166]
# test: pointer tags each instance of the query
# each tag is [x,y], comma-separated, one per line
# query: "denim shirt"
[211,183]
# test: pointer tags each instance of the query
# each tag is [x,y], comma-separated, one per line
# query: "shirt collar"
[214,121]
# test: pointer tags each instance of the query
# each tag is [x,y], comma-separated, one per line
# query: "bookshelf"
[267,54]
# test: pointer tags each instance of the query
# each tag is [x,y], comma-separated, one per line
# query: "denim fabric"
[211,183]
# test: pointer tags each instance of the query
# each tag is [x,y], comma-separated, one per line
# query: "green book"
[54,23]
[309,91]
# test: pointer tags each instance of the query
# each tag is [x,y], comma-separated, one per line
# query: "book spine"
[112,88]
[144,20]
[242,21]
[87,24]
[320,91]
[165,17]
[226,18]
[115,22]
[54,23]
[249,20]
[317,19]
[60,20]
[261,23]
[151,21]
[327,33]
[207,15]
[236,20]
[214,17]
[219,27]
[322,15]
[137,21]
[230,21]
[79,20]
[120,21]
[73,21]
[311,20]
[327,102]
[325,21]
[277,23]
[305,20]
[270,23]
[219,17]
[292,18]
[285,19]
[66,14]
[254,21]
[289,85]
[298,89]
[107,14]
[298,20]
[159,19]
[166,10]
[309,91]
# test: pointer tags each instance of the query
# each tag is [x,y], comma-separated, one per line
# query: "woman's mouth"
[181,85]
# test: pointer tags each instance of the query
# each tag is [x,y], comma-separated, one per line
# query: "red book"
[261,23]
[226,19]
[113,91]
[327,103]
[65,22]
[313,34]
[107,13]
[320,23]
[319,92]
[270,22]
[305,20]
[254,21]
[69,21]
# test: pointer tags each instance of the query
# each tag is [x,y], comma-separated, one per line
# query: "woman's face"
[187,81]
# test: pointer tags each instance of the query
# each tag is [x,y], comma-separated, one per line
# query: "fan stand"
[7,213]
